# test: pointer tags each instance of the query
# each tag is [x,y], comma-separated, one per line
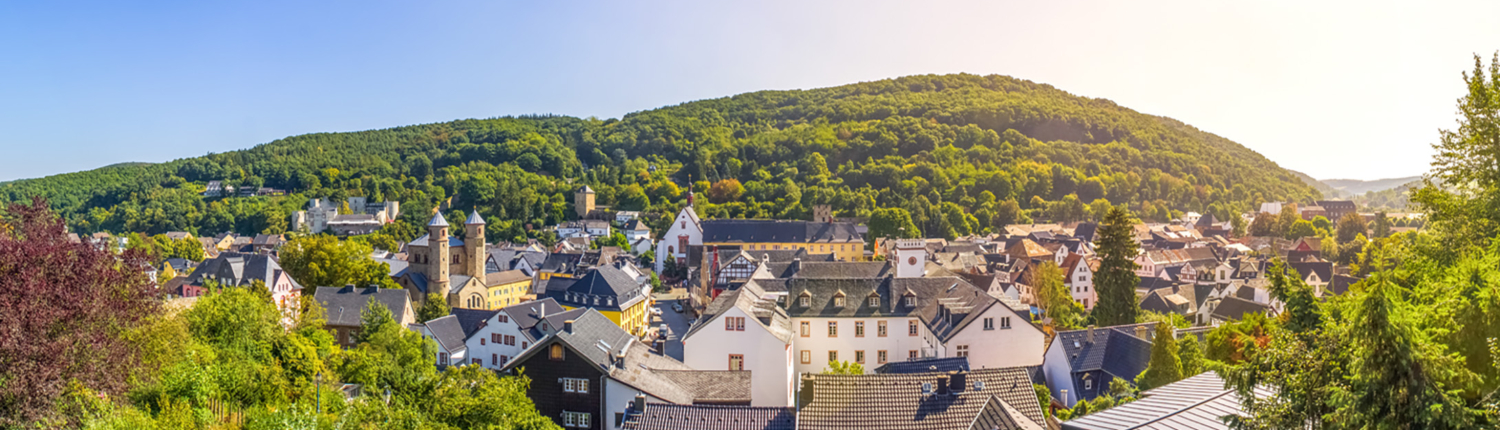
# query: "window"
[481,341]
[443,358]
[575,419]
[557,352]
[806,329]
[911,354]
[1005,323]
[874,301]
[1088,384]
[859,329]
[1082,278]
[682,243]
[880,356]
[833,329]
[911,327]
[736,362]
[833,356]
[859,357]
[838,301]
[575,385]
[510,340]
[494,360]
[524,344]
[504,359]
[503,318]
[911,301]
[963,351]
[880,328]
[804,302]
[989,323]
[476,360]
[806,357]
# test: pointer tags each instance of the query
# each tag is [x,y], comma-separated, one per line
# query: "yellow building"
[608,290]
[842,239]
[507,288]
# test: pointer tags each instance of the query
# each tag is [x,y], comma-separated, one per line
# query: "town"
[775,323]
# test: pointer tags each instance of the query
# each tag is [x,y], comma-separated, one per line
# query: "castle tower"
[474,246]
[437,266]
[822,213]
[911,258]
[583,201]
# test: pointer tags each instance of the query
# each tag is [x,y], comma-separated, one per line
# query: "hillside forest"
[960,154]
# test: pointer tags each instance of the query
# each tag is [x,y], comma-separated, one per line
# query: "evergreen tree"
[1190,353]
[1116,279]
[1302,313]
[1165,366]
[1382,226]
[435,307]
[1350,226]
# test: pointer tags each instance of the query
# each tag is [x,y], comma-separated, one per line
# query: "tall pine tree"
[1116,280]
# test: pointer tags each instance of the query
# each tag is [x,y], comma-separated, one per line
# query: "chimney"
[805,395]
[1063,395]
[941,388]
[639,405]
[568,327]
[1087,337]
[960,381]
[1142,332]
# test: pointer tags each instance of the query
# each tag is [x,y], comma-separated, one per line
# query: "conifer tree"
[1116,280]
[1165,367]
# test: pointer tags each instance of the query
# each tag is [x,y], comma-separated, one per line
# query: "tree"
[1302,312]
[1301,228]
[1238,225]
[324,261]
[1264,225]
[1382,226]
[436,306]
[1165,367]
[1054,297]
[1190,353]
[892,223]
[472,397]
[1459,195]
[1322,223]
[1350,226]
[1289,215]
[1116,279]
[78,304]
[727,190]
[844,368]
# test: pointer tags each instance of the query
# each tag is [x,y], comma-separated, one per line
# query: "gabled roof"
[750,299]
[1340,284]
[234,268]
[603,282]
[448,333]
[471,320]
[344,305]
[529,316]
[926,365]
[1234,309]
[1115,350]
[1197,402]
[762,230]
[1323,269]
[945,304]
[560,262]
[891,401]
[1086,231]
[660,416]
[830,269]
[637,225]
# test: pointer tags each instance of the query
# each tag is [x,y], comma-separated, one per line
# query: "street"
[677,323]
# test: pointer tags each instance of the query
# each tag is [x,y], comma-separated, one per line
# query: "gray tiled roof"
[603,282]
[658,416]
[749,298]
[448,333]
[344,305]
[758,230]
[474,218]
[471,319]
[830,269]
[945,304]
[437,220]
[1235,308]
[1114,350]
[234,268]
[925,365]
[897,401]
[1197,402]
[560,262]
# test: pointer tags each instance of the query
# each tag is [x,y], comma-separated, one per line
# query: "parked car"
[677,307]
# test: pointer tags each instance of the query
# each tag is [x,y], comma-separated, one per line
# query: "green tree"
[1190,353]
[892,223]
[324,261]
[1350,226]
[436,306]
[844,368]
[1165,367]
[1301,228]
[1382,226]
[1322,223]
[1460,194]
[1116,279]
[1289,215]
[1264,225]
[1054,297]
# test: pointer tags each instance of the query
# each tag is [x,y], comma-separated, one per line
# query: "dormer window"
[911,301]
[838,299]
[804,301]
[874,301]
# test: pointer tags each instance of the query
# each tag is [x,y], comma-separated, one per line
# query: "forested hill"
[960,152]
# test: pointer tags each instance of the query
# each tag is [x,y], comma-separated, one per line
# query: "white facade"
[999,337]
[625,216]
[443,356]
[1059,375]
[1081,283]
[497,341]
[898,343]
[767,357]
[911,258]
[684,231]
[617,399]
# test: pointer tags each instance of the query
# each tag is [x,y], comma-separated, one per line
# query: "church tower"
[583,201]
[437,266]
[911,258]
[474,246]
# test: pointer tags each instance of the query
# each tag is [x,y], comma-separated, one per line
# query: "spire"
[474,219]
[438,221]
[690,190]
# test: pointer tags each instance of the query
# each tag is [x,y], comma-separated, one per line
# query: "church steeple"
[474,245]
[438,260]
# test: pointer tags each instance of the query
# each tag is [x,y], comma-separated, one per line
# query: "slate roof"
[1149,283]
[448,333]
[636,225]
[604,282]
[343,305]
[396,266]
[896,401]
[830,269]
[925,365]
[1086,231]
[422,241]
[658,416]
[1197,402]
[945,304]
[560,262]
[761,230]
[471,320]
[474,218]
[1340,284]
[1235,308]
[528,316]
[234,268]
[437,220]
[267,240]
[1115,350]
[751,299]
[1324,269]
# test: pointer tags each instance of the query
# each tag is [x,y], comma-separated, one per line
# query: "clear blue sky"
[1335,90]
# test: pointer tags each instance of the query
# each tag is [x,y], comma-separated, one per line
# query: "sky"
[1336,90]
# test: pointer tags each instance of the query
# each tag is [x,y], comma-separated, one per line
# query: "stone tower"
[911,258]
[474,246]
[822,213]
[437,265]
[583,201]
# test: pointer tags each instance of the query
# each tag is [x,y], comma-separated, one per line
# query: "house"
[1080,364]
[364,217]
[585,228]
[239,269]
[494,337]
[636,230]
[450,267]
[1234,308]
[344,307]
[1336,209]
[609,290]
[449,337]
[265,243]
[217,189]
[661,416]
[503,259]
[623,217]
[587,375]
[178,235]
[685,230]
[843,239]
[506,288]
[742,329]
[560,265]
[1079,280]
[1198,402]
[988,398]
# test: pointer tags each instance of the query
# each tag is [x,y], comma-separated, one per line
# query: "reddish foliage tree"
[63,309]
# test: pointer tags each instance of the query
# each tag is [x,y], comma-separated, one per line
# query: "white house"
[685,231]
[626,216]
[500,335]
[587,228]
[743,329]
[1079,279]
[451,350]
